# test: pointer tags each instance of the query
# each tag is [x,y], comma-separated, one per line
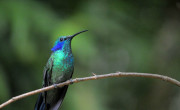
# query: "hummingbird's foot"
[71,81]
[55,86]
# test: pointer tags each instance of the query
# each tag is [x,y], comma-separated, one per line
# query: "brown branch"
[94,77]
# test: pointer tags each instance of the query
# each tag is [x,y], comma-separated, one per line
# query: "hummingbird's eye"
[61,39]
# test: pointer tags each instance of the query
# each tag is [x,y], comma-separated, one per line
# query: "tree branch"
[94,77]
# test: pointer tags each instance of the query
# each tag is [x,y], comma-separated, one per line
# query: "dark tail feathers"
[40,104]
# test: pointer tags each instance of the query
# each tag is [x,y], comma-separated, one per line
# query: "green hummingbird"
[59,68]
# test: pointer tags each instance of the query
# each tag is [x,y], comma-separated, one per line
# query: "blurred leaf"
[4,90]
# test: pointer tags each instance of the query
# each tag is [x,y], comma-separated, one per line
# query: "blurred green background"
[124,35]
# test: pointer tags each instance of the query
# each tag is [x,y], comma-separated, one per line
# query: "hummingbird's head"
[64,41]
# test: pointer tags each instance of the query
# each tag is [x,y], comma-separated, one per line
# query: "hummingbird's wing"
[48,72]
[41,102]
[47,76]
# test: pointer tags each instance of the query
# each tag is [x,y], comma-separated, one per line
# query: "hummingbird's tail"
[40,104]
[55,104]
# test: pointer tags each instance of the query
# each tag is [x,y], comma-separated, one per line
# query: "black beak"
[76,34]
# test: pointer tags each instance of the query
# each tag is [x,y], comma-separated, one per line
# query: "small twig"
[94,77]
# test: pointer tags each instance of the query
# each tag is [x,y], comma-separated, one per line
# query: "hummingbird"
[59,68]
